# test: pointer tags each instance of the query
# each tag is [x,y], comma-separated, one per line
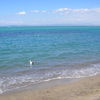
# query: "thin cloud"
[38,11]
[82,10]
[35,11]
[11,22]
[62,10]
[44,11]
[21,13]
[65,16]
[83,16]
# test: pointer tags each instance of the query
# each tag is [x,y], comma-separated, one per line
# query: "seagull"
[31,62]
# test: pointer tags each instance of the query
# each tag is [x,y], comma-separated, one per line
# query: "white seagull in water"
[31,62]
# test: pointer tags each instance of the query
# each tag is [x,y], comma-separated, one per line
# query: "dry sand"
[85,89]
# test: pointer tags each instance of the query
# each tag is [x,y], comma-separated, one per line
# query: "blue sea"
[58,52]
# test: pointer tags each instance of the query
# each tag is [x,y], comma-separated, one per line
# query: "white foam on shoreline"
[16,82]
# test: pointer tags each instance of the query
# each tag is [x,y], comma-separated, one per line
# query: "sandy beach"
[84,89]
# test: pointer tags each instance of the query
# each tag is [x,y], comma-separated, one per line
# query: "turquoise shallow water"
[58,52]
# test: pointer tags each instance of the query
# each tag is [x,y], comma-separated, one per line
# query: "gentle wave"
[8,83]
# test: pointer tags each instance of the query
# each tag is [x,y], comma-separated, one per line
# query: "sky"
[50,12]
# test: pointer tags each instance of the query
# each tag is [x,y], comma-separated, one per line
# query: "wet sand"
[84,89]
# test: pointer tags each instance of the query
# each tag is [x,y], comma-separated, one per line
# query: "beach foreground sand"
[85,89]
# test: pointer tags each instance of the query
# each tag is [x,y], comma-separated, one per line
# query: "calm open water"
[57,51]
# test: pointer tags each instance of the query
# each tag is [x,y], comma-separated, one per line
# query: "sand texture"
[85,89]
